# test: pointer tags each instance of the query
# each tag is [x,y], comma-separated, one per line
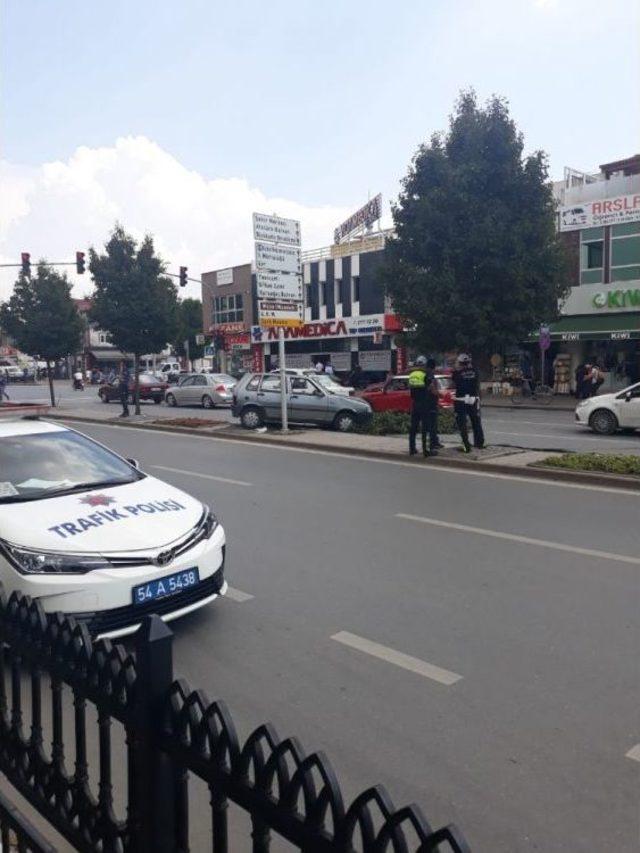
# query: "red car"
[394,396]
[151,388]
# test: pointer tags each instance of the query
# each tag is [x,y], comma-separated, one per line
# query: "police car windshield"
[42,465]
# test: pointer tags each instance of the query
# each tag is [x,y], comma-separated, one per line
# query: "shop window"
[228,309]
[625,230]
[338,291]
[355,288]
[625,251]
[625,273]
[307,300]
[323,293]
[591,255]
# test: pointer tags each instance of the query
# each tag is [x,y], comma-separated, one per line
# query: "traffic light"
[80,263]
[183,276]
[26,263]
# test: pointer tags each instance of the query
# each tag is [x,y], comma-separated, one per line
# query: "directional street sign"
[278,285]
[276,230]
[270,256]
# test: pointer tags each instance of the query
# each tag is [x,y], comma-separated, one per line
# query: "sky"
[180,119]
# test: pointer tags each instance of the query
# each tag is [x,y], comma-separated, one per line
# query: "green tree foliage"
[133,301]
[189,325]
[475,263]
[42,319]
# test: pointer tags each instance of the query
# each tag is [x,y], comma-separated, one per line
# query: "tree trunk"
[136,389]
[50,378]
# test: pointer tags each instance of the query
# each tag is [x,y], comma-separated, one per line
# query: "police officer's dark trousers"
[472,411]
[419,421]
[124,398]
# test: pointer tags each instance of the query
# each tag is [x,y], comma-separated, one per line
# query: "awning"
[595,327]
[107,354]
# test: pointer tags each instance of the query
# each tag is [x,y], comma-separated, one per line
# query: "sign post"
[279,285]
[544,342]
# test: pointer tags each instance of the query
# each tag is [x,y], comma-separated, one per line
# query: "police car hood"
[146,514]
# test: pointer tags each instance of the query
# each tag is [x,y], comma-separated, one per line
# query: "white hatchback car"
[87,533]
[607,413]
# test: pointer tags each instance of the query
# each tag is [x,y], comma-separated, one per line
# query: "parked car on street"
[151,388]
[327,380]
[89,534]
[394,395]
[256,401]
[607,413]
[202,389]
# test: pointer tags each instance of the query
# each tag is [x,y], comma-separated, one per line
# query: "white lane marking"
[204,476]
[421,667]
[237,595]
[527,540]
[425,469]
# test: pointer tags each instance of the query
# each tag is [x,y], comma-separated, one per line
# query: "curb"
[521,406]
[539,472]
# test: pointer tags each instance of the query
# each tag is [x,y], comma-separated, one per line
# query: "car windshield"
[55,463]
[326,381]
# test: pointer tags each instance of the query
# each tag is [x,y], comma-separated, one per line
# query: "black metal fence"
[171,731]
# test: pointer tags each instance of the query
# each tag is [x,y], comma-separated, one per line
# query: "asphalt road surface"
[470,641]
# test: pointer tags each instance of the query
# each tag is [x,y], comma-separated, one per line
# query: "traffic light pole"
[283,381]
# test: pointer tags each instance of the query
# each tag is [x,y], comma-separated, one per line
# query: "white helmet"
[463,358]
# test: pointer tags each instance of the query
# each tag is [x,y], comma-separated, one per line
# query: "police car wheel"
[251,418]
[104,396]
[207,402]
[603,422]
[170,400]
[344,422]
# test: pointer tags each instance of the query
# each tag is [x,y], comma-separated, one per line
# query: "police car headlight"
[210,522]
[30,562]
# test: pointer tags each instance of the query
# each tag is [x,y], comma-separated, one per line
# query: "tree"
[475,263]
[189,325]
[133,302]
[42,318]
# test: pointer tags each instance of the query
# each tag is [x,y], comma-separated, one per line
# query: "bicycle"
[541,393]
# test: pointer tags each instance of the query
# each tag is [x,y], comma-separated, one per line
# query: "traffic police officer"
[467,401]
[424,394]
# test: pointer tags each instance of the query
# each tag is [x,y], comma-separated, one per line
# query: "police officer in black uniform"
[467,401]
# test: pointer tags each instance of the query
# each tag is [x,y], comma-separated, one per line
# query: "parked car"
[394,395]
[86,532]
[327,380]
[256,401]
[202,389]
[607,413]
[151,388]
[169,371]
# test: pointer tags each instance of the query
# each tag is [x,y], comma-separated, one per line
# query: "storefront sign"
[375,360]
[276,230]
[278,258]
[278,286]
[348,327]
[227,328]
[617,299]
[257,362]
[224,277]
[362,218]
[373,243]
[608,211]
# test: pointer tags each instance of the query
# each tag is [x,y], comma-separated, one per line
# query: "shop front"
[366,340]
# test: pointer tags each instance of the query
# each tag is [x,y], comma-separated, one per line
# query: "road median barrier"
[495,460]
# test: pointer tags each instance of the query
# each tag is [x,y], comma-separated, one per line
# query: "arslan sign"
[607,211]
[363,218]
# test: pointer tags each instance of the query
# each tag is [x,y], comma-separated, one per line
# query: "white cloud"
[57,208]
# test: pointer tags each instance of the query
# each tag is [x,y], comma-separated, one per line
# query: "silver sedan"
[202,389]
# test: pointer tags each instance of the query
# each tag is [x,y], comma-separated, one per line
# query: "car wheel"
[157,400]
[171,400]
[603,422]
[104,396]
[251,418]
[344,422]
[207,402]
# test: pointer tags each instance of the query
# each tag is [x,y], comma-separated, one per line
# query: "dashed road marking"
[237,595]
[203,476]
[526,540]
[634,753]
[376,650]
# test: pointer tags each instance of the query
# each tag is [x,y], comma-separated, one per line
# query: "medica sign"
[607,211]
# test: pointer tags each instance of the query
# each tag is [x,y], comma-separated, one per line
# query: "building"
[599,224]
[348,321]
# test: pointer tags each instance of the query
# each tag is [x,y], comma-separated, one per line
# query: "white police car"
[89,534]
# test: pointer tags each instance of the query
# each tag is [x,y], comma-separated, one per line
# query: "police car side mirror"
[628,396]
[134,463]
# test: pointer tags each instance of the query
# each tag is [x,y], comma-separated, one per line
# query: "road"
[547,429]
[468,640]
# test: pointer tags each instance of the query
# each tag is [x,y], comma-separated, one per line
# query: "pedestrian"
[328,369]
[123,388]
[579,374]
[596,378]
[467,402]
[3,386]
[423,390]
[356,377]
[319,366]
